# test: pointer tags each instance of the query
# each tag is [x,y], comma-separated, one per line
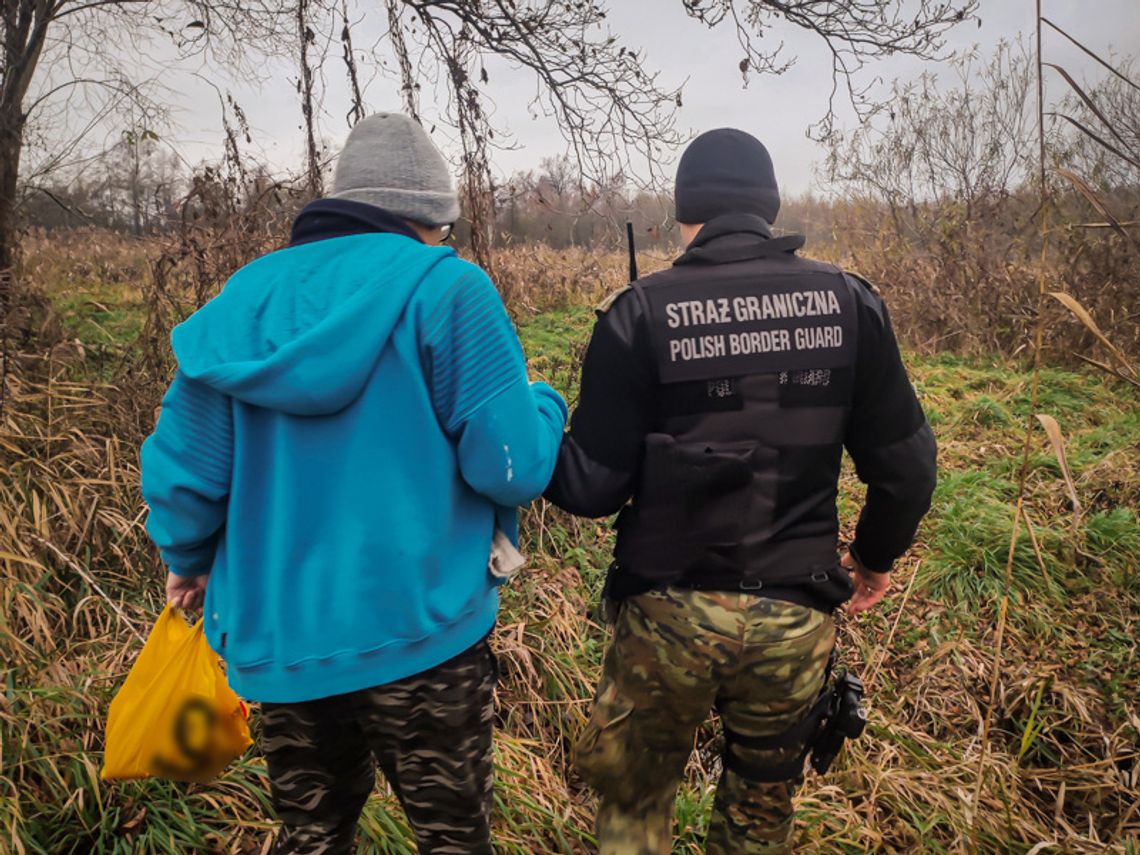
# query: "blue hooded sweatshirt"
[350,420]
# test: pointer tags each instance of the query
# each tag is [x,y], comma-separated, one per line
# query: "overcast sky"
[778,110]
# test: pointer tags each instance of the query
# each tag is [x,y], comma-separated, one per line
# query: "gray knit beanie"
[390,161]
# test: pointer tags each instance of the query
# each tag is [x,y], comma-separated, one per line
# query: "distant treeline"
[138,187]
[142,189]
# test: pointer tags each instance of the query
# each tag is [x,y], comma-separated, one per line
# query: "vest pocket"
[695,504]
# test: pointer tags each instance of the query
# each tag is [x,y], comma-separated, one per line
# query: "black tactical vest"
[755,361]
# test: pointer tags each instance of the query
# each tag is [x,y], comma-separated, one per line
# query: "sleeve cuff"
[545,391]
[184,573]
[186,566]
[874,568]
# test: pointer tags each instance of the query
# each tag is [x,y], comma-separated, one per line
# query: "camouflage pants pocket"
[635,783]
[601,753]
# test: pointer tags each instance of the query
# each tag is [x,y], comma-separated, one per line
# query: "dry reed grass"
[971,286]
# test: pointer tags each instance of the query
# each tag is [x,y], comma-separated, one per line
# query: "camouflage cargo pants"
[675,655]
[429,733]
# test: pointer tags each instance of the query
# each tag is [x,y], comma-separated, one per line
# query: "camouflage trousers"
[677,654]
[430,734]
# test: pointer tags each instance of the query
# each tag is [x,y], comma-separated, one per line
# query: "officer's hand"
[186,592]
[870,587]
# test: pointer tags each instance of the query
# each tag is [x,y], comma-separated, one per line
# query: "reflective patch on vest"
[811,377]
[815,387]
[709,396]
[730,328]
[723,388]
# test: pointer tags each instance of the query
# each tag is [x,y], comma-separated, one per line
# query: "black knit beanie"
[725,171]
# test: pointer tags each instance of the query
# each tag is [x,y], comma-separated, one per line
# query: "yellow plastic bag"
[175,716]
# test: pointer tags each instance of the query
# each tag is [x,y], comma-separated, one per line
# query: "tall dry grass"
[968,284]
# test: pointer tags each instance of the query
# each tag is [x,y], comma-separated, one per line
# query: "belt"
[751,585]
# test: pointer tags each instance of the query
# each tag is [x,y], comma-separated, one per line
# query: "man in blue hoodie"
[350,423]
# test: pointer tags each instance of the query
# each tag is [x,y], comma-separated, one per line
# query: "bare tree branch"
[856,32]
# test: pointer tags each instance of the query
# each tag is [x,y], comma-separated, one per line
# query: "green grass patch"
[972,524]
[1114,538]
[554,343]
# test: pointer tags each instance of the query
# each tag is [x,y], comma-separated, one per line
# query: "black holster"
[608,604]
[836,715]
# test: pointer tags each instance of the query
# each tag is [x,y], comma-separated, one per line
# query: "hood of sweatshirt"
[300,330]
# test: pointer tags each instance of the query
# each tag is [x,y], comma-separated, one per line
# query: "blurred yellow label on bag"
[175,716]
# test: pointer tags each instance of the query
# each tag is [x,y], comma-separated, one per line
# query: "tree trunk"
[25,30]
[11,138]
[312,157]
[136,190]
